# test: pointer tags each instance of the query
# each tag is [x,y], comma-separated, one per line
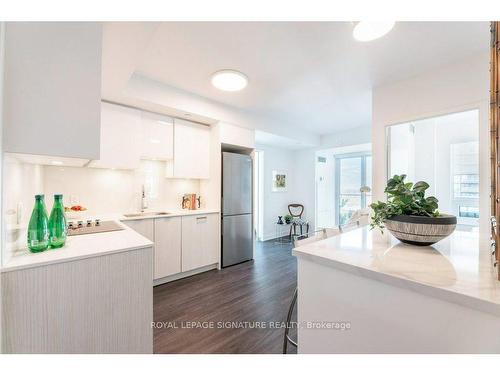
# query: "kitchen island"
[366,292]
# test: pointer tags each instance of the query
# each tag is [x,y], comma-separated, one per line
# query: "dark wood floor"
[254,291]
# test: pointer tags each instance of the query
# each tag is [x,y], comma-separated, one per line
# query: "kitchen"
[145,179]
[147,183]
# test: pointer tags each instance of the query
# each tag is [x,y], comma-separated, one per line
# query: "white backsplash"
[117,191]
[101,191]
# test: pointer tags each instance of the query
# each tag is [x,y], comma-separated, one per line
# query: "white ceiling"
[305,75]
[269,139]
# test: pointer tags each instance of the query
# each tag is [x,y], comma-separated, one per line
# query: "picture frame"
[279,181]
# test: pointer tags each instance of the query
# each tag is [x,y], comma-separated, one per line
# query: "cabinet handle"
[201,218]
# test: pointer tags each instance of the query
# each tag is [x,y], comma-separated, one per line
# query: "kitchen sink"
[145,214]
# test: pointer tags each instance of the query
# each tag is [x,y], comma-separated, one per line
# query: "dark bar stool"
[287,338]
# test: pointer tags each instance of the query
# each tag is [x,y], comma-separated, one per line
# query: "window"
[352,173]
[469,212]
[444,152]
[465,186]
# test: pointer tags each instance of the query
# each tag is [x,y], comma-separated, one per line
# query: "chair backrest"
[350,226]
[311,237]
[298,206]
[362,216]
[330,232]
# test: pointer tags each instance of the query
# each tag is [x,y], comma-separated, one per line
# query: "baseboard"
[182,275]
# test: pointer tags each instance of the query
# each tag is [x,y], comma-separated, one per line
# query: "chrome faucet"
[144,202]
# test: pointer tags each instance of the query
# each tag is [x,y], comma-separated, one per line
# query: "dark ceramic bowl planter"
[421,230]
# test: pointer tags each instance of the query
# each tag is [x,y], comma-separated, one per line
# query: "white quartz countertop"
[148,214]
[80,247]
[456,269]
[169,213]
[91,245]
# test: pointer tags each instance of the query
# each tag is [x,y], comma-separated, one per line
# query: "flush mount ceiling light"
[229,80]
[365,31]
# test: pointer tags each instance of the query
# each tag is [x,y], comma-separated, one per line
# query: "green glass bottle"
[57,223]
[38,228]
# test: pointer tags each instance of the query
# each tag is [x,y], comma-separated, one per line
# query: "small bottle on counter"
[38,228]
[57,223]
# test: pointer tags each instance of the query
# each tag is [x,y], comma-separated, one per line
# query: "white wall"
[302,177]
[276,203]
[104,191]
[101,191]
[454,88]
[21,182]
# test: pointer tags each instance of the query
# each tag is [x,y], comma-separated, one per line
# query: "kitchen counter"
[80,247]
[170,213]
[90,245]
[398,298]
[455,269]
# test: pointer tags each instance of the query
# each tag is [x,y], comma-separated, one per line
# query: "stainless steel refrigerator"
[237,216]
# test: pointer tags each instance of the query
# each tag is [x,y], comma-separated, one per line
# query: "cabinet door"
[191,151]
[52,88]
[167,246]
[200,241]
[144,227]
[120,131]
[157,137]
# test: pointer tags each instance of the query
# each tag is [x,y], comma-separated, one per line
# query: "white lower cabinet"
[167,246]
[181,243]
[144,227]
[200,241]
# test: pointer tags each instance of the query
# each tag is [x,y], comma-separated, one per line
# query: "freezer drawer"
[237,239]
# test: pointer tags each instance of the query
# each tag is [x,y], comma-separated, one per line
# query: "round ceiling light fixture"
[229,80]
[364,31]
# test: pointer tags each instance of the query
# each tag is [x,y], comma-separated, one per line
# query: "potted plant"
[409,215]
[288,218]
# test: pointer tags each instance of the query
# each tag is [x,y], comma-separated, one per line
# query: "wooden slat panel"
[494,131]
[96,305]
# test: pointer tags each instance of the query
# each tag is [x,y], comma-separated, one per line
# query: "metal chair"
[297,242]
[349,226]
[330,232]
[362,216]
[296,210]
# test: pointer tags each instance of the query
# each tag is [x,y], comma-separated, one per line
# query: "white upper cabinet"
[120,137]
[191,151]
[157,137]
[52,88]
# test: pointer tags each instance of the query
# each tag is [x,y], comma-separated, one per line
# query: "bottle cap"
[57,196]
[39,196]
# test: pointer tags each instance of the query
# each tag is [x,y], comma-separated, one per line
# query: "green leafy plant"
[403,198]
[288,218]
